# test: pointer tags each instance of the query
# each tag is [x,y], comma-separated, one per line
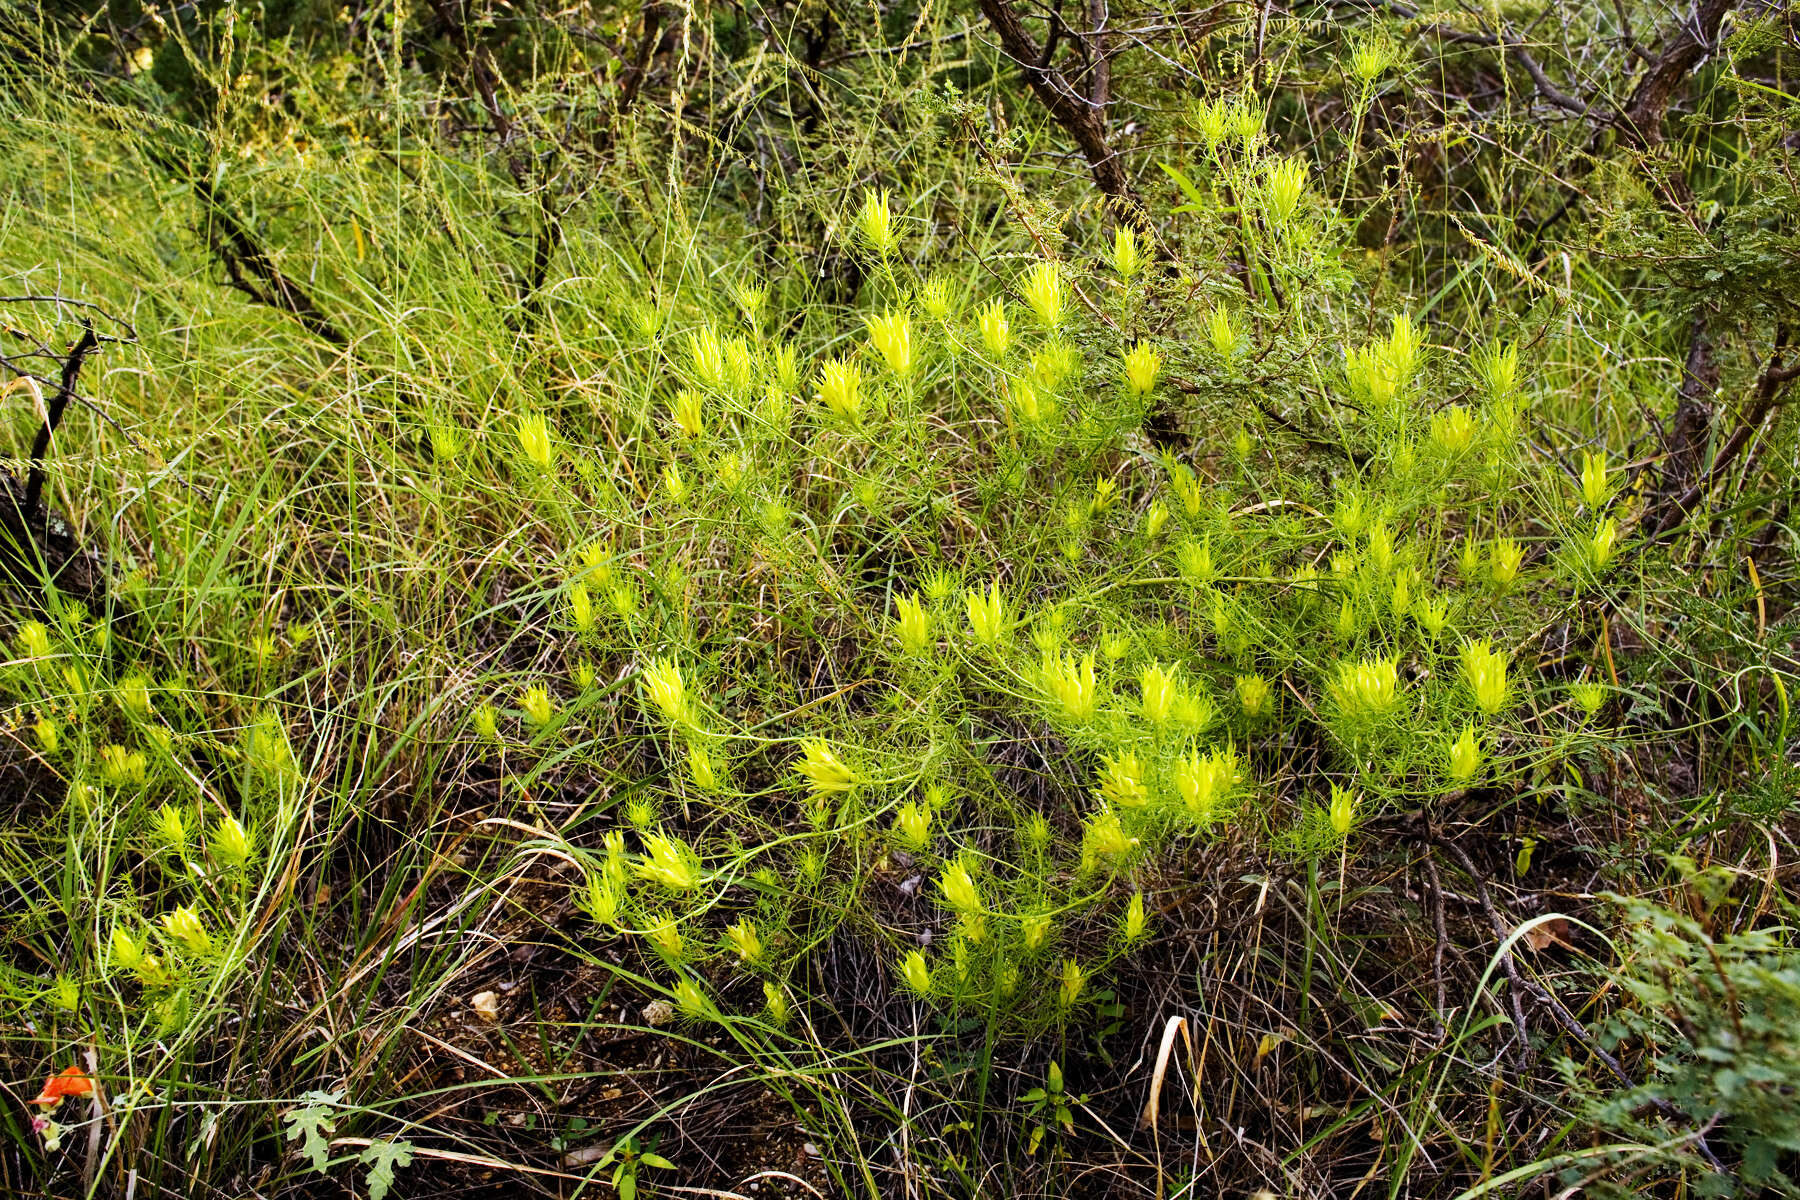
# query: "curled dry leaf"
[1553,932]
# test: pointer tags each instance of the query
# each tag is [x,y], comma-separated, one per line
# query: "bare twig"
[34,487]
[253,272]
[1519,985]
[1083,117]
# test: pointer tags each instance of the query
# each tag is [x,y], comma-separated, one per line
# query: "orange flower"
[72,1081]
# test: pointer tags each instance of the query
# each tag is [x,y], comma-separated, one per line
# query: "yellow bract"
[1453,430]
[1593,478]
[840,389]
[170,826]
[692,1001]
[1071,682]
[1042,289]
[912,826]
[667,939]
[1073,982]
[1504,558]
[687,414]
[1105,840]
[536,705]
[1283,187]
[987,614]
[875,223]
[186,927]
[1155,517]
[581,607]
[1498,368]
[1158,691]
[1484,670]
[34,639]
[915,973]
[1342,811]
[702,770]
[1032,409]
[232,844]
[1220,333]
[960,891]
[1127,259]
[1254,695]
[996,334]
[1464,756]
[1142,365]
[669,862]
[662,681]
[1370,688]
[534,439]
[1204,783]
[825,771]
[913,624]
[745,941]
[935,298]
[706,357]
[891,335]
[1122,780]
[1136,922]
[1589,696]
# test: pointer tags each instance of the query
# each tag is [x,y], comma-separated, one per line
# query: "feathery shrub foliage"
[776,568]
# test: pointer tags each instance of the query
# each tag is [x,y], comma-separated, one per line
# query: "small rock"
[486,1006]
[810,1150]
[658,1013]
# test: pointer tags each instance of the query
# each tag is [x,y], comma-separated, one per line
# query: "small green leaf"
[314,1123]
[1187,186]
[383,1157]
